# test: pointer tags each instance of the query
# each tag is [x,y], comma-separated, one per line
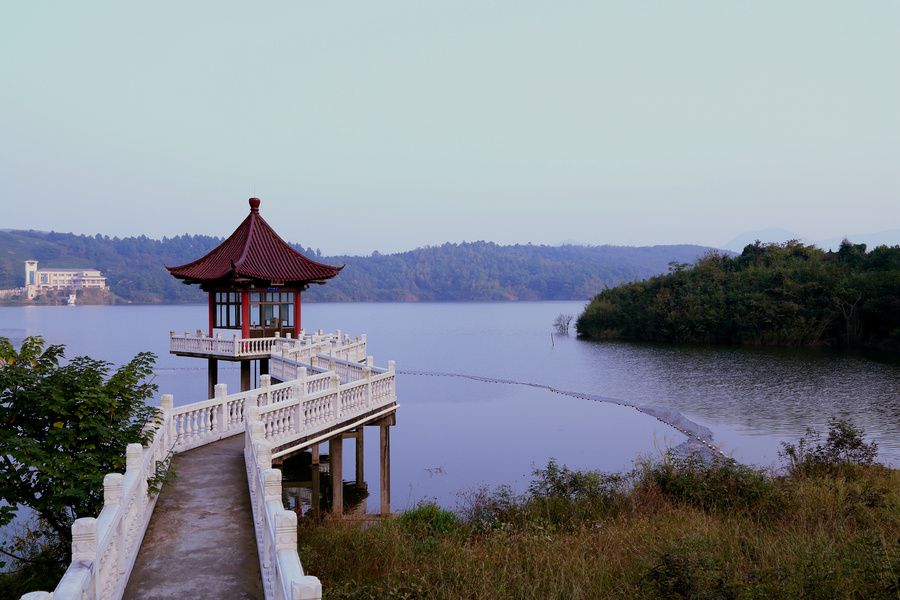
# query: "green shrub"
[842,450]
[721,484]
[428,519]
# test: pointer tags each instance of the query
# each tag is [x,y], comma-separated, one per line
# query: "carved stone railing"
[304,415]
[104,548]
[300,349]
[225,348]
[316,400]
[276,528]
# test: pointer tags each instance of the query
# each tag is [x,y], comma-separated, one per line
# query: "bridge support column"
[360,455]
[213,368]
[245,376]
[385,470]
[316,490]
[336,449]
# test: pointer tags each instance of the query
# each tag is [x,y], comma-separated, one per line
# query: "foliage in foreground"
[673,528]
[772,294]
[64,427]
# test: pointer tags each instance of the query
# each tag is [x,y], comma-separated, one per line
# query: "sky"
[387,126]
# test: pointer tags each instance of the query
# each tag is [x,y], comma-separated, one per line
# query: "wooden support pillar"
[360,451]
[245,376]
[315,503]
[245,314]
[385,470]
[212,367]
[212,313]
[314,450]
[336,449]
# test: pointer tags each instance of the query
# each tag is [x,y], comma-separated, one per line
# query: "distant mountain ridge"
[890,237]
[135,268]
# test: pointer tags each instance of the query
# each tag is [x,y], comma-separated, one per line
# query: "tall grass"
[672,528]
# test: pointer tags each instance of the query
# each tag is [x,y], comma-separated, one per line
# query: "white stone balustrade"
[276,528]
[303,346]
[104,548]
[321,394]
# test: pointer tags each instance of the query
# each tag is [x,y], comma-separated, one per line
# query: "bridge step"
[200,542]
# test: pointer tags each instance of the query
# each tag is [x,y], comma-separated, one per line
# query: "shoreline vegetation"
[827,526]
[772,294]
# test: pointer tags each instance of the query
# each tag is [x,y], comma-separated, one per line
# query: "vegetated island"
[772,294]
[469,271]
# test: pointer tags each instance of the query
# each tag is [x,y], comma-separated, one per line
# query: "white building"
[37,280]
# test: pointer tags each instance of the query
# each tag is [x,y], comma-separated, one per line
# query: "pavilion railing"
[301,348]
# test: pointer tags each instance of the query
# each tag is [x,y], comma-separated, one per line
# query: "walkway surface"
[200,542]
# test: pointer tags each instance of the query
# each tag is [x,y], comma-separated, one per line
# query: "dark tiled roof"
[254,251]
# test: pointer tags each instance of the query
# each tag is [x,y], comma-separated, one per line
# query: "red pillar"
[212,313]
[297,314]
[245,314]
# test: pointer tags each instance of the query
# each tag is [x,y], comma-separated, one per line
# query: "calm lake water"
[455,434]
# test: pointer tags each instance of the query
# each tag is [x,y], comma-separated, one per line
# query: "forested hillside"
[772,294]
[486,271]
[135,271]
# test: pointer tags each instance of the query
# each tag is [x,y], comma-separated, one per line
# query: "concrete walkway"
[200,542]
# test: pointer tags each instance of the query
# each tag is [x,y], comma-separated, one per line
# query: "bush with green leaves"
[65,425]
[842,449]
[722,483]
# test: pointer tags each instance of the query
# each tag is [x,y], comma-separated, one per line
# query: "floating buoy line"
[674,419]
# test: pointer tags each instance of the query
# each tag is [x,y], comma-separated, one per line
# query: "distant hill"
[486,271]
[769,235]
[135,268]
[776,235]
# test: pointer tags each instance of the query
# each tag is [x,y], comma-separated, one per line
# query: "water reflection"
[307,486]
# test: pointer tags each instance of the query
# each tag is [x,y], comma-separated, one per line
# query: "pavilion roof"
[254,252]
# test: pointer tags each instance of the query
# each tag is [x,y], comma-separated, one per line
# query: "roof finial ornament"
[254,205]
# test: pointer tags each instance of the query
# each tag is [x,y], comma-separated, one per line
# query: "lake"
[454,434]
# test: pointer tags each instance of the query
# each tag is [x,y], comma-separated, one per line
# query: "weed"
[843,449]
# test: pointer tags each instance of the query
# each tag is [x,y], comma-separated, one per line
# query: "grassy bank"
[827,527]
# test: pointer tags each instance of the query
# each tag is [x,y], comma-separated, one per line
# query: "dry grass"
[803,537]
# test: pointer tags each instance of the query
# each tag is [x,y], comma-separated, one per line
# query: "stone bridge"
[320,388]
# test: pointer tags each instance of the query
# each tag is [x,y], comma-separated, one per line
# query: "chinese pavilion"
[254,280]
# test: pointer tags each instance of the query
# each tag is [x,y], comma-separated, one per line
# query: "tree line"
[468,271]
[772,294]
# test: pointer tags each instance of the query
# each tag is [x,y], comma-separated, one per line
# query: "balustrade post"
[133,457]
[336,385]
[257,432]
[272,493]
[265,382]
[222,416]
[392,366]
[285,530]
[237,345]
[370,361]
[113,485]
[84,540]
[264,455]
[367,375]
[37,596]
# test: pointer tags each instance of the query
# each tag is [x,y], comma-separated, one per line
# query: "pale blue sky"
[390,125]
